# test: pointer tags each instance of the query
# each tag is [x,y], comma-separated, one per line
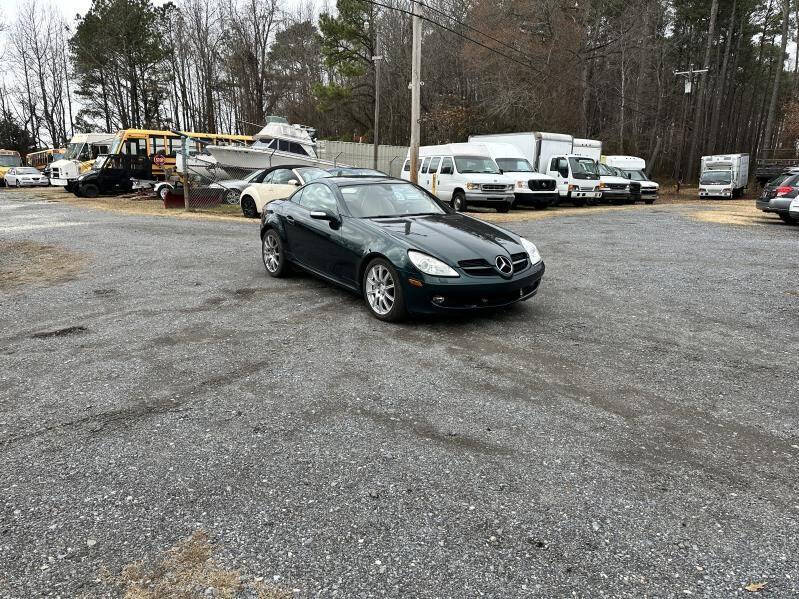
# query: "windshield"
[476,164]
[116,144]
[6,160]
[73,150]
[583,168]
[388,199]
[715,178]
[514,165]
[343,172]
[604,169]
[311,174]
[636,175]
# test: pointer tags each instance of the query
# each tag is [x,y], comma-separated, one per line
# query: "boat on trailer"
[279,143]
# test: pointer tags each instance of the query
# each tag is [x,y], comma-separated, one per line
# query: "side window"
[563,164]
[157,145]
[433,165]
[318,197]
[425,162]
[260,177]
[446,166]
[174,146]
[296,148]
[553,166]
[282,176]
[297,197]
[266,178]
[407,166]
[84,153]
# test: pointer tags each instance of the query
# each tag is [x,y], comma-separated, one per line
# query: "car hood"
[451,237]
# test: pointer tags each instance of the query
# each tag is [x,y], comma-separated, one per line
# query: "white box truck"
[79,158]
[723,175]
[634,168]
[577,177]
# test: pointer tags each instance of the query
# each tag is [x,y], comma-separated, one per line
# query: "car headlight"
[472,186]
[431,266]
[602,185]
[531,250]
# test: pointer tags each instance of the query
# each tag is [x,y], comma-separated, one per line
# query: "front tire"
[163,192]
[788,219]
[248,207]
[90,190]
[382,291]
[578,202]
[273,255]
[503,209]
[459,201]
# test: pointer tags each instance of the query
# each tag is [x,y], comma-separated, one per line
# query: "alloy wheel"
[271,251]
[380,289]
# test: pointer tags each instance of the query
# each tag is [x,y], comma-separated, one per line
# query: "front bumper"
[715,193]
[485,198]
[535,198]
[615,194]
[469,292]
[775,205]
[588,195]
[32,183]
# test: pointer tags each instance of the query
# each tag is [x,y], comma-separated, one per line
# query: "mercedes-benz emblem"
[504,265]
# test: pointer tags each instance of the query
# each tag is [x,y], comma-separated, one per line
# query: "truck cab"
[577,178]
[463,174]
[634,168]
[81,152]
[615,188]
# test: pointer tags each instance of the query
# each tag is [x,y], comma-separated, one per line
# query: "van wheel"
[459,201]
[503,208]
[90,190]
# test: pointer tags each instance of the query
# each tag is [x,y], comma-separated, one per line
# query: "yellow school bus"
[43,158]
[151,142]
[8,159]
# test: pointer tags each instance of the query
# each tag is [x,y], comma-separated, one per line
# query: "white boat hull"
[256,159]
[202,165]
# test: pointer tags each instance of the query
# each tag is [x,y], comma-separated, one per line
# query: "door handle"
[290,219]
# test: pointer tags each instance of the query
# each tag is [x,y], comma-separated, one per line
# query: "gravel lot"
[632,431]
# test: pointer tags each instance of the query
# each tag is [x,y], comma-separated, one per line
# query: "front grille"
[55,172]
[541,185]
[520,261]
[635,187]
[477,267]
[617,186]
[490,187]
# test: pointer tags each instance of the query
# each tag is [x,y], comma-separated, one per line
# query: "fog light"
[438,299]
[415,282]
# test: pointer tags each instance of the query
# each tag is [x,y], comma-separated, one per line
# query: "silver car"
[236,186]
[26,176]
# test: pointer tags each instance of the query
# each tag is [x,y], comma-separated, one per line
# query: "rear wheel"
[273,256]
[248,207]
[383,291]
[231,197]
[90,190]
[459,201]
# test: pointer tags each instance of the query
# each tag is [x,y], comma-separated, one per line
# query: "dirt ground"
[30,263]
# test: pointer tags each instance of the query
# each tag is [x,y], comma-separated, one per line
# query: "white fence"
[389,158]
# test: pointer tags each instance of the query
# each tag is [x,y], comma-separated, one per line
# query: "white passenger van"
[462,174]
[530,188]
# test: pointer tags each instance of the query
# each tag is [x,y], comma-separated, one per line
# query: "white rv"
[463,175]
[724,175]
[531,188]
[577,177]
[635,170]
[81,153]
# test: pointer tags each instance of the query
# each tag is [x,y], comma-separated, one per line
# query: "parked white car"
[278,182]
[793,209]
[25,176]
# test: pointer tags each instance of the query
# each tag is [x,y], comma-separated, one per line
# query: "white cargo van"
[531,188]
[724,175]
[463,174]
[634,168]
[613,187]
[576,177]
[81,153]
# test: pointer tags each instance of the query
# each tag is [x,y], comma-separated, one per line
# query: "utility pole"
[689,79]
[689,76]
[416,67]
[377,58]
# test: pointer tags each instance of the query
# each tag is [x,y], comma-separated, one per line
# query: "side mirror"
[324,215]
[294,182]
[501,172]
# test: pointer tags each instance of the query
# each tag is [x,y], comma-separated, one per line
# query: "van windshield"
[716,178]
[514,165]
[635,175]
[476,164]
[584,168]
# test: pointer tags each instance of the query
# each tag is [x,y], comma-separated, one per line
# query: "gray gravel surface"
[632,431]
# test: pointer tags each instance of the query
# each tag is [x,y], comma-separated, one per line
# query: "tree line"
[602,69]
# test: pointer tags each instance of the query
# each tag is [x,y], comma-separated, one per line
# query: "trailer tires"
[90,190]
[459,201]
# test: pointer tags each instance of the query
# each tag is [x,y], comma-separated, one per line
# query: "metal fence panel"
[389,158]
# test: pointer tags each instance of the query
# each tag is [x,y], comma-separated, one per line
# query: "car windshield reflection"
[388,200]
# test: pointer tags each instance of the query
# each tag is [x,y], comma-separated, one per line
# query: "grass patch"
[186,571]
[24,263]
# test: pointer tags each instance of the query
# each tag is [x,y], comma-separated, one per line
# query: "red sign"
[158,159]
